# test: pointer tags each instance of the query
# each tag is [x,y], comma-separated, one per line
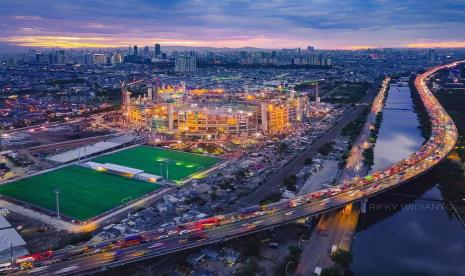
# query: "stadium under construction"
[212,114]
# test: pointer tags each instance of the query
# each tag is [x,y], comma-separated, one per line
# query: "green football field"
[84,193]
[174,165]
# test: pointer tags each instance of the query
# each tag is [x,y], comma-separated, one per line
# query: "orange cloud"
[360,47]
[58,41]
[446,44]
[86,42]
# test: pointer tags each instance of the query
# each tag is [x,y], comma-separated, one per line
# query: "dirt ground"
[40,237]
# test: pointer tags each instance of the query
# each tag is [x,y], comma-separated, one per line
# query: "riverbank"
[420,234]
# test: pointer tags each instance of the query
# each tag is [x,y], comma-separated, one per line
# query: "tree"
[251,267]
[342,258]
[325,149]
[308,161]
[290,183]
[292,259]
[331,271]
[283,147]
[294,252]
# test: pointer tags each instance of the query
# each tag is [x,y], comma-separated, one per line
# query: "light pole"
[301,239]
[290,262]
[166,163]
[57,195]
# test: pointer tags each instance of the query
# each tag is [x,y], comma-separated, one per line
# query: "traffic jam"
[440,143]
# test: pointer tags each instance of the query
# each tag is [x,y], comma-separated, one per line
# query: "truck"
[101,246]
[333,249]
[130,240]
[248,210]
[34,257]
[117,254]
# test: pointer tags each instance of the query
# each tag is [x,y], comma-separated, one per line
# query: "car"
[186,231]
[138,253]
[38,269]
[183,241]
[289,213]
[156,245]
[333,249]
[273,245]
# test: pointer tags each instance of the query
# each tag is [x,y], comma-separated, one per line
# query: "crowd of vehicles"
[441,142]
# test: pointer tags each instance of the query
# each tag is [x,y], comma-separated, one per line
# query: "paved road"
[336,228]
[443,138]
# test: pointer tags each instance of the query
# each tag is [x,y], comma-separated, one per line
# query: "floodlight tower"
[317,98]
[166,163]
[57,198]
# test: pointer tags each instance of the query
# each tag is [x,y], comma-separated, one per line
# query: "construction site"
[180,113]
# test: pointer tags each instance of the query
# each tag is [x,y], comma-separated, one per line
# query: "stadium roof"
[10,237]
[4,223]
[121,169]
[82,152]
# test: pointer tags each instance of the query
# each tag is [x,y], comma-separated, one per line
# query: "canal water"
[406,231]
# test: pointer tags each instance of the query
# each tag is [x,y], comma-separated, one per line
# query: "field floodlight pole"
[57,198]
[11,254]
[166,164]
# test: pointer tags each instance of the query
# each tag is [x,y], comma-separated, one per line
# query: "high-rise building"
[185,64]
[157,50]
[61,57]
[136,52]
[310,48]
[431,55]
[40,58]
[116,58]
[88,58]
[100,58]
[145,53]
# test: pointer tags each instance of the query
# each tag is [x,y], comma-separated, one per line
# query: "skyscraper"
[157,50]
[116,58]
[136,52]
[100,58]
[145,53]
[185,64]
[431,55]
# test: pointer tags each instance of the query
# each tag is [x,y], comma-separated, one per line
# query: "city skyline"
[233,24]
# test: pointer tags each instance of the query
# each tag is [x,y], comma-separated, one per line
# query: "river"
[406,235]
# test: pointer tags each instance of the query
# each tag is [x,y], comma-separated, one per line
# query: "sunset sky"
[255,23]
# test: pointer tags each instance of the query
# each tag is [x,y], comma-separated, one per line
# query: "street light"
[57,195]
[290,262]
[301,239]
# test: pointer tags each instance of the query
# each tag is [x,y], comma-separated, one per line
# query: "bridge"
[221,228]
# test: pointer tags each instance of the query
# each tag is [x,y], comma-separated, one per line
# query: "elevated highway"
[100,256]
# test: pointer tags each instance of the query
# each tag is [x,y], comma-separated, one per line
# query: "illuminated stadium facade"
[212,114]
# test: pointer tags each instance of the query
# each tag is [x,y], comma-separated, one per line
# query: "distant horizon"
[233,24]
[21,49]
